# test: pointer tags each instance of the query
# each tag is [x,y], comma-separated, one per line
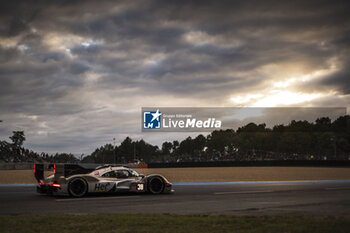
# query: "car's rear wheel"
[156,185]
[77,187]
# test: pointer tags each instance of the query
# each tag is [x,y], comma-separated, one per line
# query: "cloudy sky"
[75,74]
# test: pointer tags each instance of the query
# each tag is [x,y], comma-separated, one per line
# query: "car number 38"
[140,187]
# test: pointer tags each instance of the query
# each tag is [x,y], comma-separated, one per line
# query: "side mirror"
[141,175]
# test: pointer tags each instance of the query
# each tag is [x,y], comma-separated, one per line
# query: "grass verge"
[171,223]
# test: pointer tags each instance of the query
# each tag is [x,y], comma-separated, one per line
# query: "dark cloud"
[339,81]
[82,66]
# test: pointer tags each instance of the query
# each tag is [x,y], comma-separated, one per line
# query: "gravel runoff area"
[214,174]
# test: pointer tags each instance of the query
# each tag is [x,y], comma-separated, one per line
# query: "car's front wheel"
[156,184]
[77,187]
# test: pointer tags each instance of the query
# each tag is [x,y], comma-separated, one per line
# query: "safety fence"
[272,163]
[283,163]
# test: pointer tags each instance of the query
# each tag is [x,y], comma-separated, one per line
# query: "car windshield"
[133,173]
[110,174]
[122,173]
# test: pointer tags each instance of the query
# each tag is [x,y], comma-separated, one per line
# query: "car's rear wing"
[60,170]
[39,171]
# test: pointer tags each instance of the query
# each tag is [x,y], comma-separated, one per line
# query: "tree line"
[298,140]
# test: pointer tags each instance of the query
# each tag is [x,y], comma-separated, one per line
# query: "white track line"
[338,188]
[243,192]
[94,199]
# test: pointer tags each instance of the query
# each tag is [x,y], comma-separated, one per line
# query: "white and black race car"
[77,181]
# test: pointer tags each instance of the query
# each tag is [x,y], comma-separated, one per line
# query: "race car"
[77,181]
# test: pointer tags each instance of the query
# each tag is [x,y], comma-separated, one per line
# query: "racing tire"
[77,187]
[156,185]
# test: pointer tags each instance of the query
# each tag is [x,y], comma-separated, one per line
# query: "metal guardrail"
[30,166]
[271,163]
[16,166]
[285,163]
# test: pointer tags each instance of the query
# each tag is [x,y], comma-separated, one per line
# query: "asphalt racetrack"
[257,198]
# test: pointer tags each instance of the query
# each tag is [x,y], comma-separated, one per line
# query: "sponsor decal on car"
[101,187]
